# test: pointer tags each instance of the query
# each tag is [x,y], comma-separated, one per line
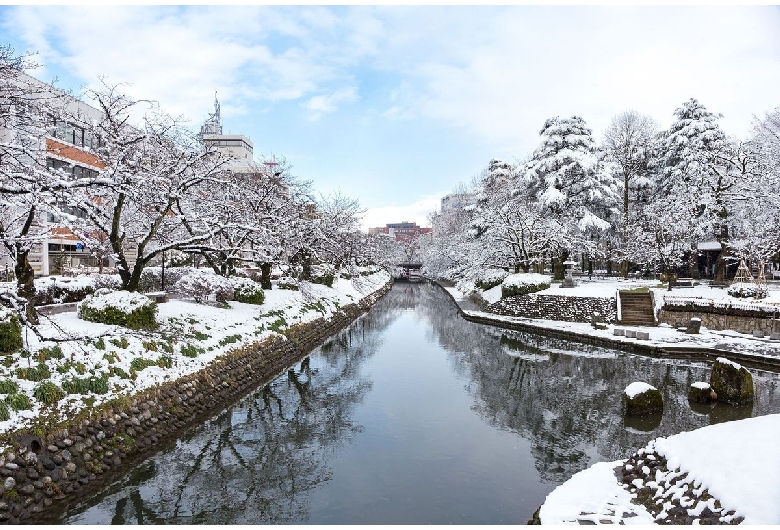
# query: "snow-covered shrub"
[106,281]
[122,308]
[204,287]
[10,331]
[524,283]
[323,274]
[287,283]
[247,291]
[49,292]
[151,277]
[489,278]
[742,290]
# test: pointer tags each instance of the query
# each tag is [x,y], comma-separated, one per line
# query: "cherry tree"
[149,187]
[29,188]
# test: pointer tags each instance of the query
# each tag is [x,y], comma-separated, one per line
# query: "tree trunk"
[265,276]
[559,271]
[693,265]
[25,283]
[306,264]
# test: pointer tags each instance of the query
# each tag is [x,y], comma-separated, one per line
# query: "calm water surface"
[412,416]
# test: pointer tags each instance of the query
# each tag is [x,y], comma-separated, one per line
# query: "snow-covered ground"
[189,337]
[737,462]
[660,336]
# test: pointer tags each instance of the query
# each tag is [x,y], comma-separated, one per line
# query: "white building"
[236,146]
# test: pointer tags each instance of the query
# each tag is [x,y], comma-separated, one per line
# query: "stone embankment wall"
[45,472]
[550,307]
[717,321]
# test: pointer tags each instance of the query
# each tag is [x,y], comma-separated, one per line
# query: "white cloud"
[323,104]
[416,212]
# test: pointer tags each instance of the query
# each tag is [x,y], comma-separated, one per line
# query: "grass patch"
[8,387]
[121,343]
[230,339]
[18,402]
[192,351]
[45,354]
[48,393]
[39,373]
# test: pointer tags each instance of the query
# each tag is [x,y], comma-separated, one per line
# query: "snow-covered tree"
[29,189]
[709,173]
[565,177]
[628,147]
[149,187]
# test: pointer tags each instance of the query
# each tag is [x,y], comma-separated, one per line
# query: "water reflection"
[413,415]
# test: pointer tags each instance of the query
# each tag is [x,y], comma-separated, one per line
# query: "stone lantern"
[568,281]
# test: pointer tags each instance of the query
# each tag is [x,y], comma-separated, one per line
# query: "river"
[412,415]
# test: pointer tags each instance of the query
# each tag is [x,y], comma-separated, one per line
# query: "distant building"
[457,201]
[400,231]
[236,146]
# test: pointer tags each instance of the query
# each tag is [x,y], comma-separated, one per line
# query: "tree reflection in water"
[566,396]
[258,461]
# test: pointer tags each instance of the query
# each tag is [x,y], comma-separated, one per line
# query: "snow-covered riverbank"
[190,336]
[720,474]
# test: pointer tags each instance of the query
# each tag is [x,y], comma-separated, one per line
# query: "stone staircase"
[636,309]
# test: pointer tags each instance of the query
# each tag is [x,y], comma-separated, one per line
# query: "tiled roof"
[75,154]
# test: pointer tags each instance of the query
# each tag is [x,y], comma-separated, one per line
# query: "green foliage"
[45,354]
[257,297]
[518,290]
[100,344]
[48,393]
[324,279]
[120,343]
[94,384]
[164,361]
[4,414]
[18,402]
[111,357]
[278,324]
[189,350]
[139,363]
[10,332]
[142,317]
[200,336]
[150,345]
[115,370]
[8,387]
[167,346]
[287,284]
[8,362]
[316,306]
[77,366]
[230,339]
[39,373]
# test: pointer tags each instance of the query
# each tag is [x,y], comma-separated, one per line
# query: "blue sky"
[396,106]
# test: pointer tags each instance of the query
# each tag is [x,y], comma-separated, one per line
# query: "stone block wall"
[551,307]
[720,321]
[45,470]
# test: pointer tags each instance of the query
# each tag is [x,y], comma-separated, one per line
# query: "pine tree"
[565,176]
